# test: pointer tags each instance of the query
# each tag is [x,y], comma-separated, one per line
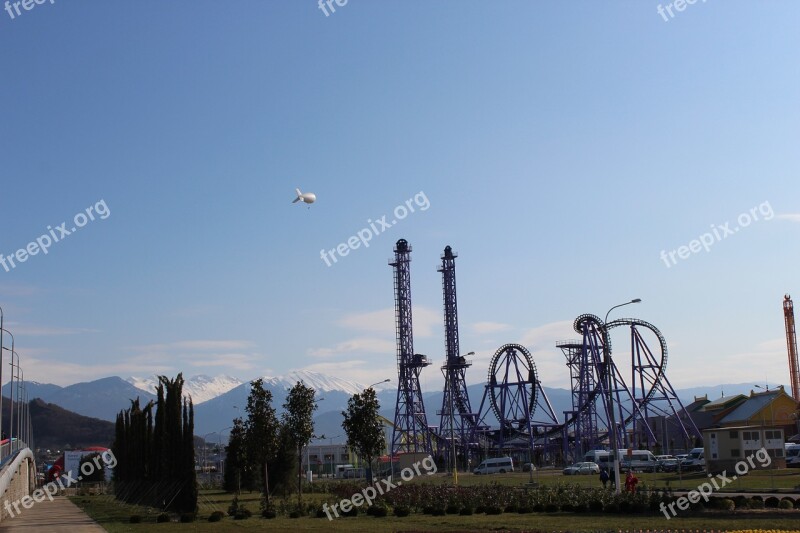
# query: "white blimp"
[307,197]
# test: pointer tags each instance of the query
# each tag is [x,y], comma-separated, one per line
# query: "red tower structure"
[791,346]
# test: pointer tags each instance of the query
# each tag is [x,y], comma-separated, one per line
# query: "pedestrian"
[604,477]
[630,482]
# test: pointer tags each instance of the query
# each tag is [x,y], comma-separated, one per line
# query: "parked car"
[793,456]
[667,464]
[527,467]
[582,468]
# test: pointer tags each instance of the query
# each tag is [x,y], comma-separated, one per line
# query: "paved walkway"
[58,516]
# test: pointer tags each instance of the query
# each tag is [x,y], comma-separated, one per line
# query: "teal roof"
[720,403]
[748,408]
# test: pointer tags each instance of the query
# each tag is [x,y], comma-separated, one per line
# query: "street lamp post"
[308,452]
[11,395]
[20,402]
[612,423]
[333,454]
[391,463]
[219,451]
[2,317]
[763,432]
[451,385]
[2,330]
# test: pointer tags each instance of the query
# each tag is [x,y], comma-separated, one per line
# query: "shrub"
[187,518]
[234,506]
[320,513]
[453,508]
[402,511]
[494,510]
[697,506]
[511,508]
[741,502]
[216,516]
[378,511]
[243,513]
[786,503]
[353,511]
[595,506]
[163,517]
[772,502]
[611,507]
[726,504]
[135,519]
[756,503]
[524,509]
[466,511]
[551,508]
[295,514]
[268,509]
[438,511]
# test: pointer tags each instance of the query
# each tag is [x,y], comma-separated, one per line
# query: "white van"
[497,465]
[341,471]
[641,460]
[601,457]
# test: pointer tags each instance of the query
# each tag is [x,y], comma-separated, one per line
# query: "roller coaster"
[515,415]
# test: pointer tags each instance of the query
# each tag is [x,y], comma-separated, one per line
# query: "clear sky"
[558,147]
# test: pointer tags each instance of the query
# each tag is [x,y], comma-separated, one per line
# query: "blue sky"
[560,147]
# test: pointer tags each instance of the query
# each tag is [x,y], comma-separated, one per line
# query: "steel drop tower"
[791,346]
[410,432]
[456,414]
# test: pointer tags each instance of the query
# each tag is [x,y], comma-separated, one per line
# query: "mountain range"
[218,400]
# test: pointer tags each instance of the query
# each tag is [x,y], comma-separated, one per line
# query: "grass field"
[114,516]
[758,480]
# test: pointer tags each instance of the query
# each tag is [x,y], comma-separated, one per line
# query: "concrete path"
[58,516]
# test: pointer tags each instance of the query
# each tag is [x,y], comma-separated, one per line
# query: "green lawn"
[786,479]
[114,516]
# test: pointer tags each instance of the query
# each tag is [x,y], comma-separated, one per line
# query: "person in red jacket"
[630,482]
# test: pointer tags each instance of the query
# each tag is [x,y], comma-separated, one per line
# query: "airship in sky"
[307,197]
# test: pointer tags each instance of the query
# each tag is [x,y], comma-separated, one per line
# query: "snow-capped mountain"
[317,381]
[201,388]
